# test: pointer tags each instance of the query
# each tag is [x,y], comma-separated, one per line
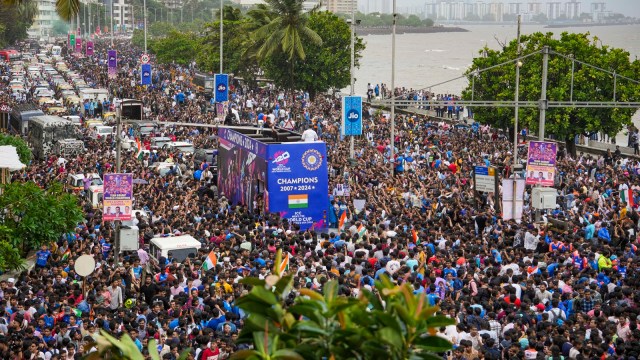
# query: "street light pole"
[221,34]
[144,14]
[543,93]
[111,28]
[515,125]
[393,84]
[352,69]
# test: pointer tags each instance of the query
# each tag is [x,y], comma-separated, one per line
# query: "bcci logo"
[312,159]
[112,58]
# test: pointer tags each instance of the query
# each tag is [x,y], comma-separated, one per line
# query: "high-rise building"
[534,8]
[480,9]
[43,23]
[572,9]
[553,10]
[497,10]
[515,8]
[122,15]
[341,6]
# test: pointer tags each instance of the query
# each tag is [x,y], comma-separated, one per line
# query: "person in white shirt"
[309,135]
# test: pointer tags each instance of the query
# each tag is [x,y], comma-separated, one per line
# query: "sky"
[627,7]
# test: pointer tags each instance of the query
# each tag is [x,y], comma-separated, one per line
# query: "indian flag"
[66,255]
[139,154]
[284,265]
[343,219]
[300,201]
[414,236]
[626,195]
[210,262]
[362,230]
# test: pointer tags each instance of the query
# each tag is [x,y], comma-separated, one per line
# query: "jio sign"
[352,115]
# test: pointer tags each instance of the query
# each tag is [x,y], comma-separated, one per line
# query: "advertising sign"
[117,197]
[78,44]
[112,63]
[508,188]
[485,179]
[222,88]
[541,163]
[145,74]
[89,50]
[72,41]
[352,115]
[297,180]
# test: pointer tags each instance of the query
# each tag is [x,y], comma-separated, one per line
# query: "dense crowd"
[518,290]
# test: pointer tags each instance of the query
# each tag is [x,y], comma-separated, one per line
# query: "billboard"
[118,197]
[112,63]
[89,50]
[145,74]
[541,163]
[352,115]
[222,88]
[241,171]
[78,44]
[297,181]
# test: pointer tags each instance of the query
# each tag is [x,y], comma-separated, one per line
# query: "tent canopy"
[9,158]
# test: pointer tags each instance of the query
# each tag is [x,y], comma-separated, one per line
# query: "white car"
[102,132]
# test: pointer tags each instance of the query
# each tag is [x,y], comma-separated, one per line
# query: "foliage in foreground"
[389,322]
[589,85]
[124,348]
[35,216]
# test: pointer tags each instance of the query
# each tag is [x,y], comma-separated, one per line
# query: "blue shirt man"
[42,256]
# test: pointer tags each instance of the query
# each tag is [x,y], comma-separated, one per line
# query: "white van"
[180,247]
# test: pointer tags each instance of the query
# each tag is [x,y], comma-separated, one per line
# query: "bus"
[9,55]
[46,131]
[20,116]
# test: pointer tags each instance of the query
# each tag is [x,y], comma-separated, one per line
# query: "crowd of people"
[565,287]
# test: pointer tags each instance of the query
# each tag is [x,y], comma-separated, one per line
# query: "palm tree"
[66,9]
[285,33]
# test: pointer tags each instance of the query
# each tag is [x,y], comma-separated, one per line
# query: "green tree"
[22,148]
[35,216]
[326,66]
[286,34]
[177,47]
[124,348]
[389,322]
[60,27]
[16,20]
[589,85]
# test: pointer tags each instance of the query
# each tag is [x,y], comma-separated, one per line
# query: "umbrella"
[140,181]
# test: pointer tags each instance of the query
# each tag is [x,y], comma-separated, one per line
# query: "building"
[553,10]
[515,8]
[480,9]
[172,4]
[122,15]
[374,6]
[496,9]
[43,23]
[534,8]
[572,9]
[341,6]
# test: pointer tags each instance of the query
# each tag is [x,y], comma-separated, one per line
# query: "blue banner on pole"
[352,115]
[222,88]
[145,74]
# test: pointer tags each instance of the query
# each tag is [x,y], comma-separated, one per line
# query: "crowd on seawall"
[517,289]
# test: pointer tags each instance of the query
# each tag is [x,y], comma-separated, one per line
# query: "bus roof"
[50,120]
[176,242]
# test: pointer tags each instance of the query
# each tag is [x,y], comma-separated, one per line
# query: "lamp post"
[144,15]
[111,28]
[221,34]
[393,85]
[352,69]
[515,125]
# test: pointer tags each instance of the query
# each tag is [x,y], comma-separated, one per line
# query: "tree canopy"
[301,50]
[590,84]
[35,216]
[22,148]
